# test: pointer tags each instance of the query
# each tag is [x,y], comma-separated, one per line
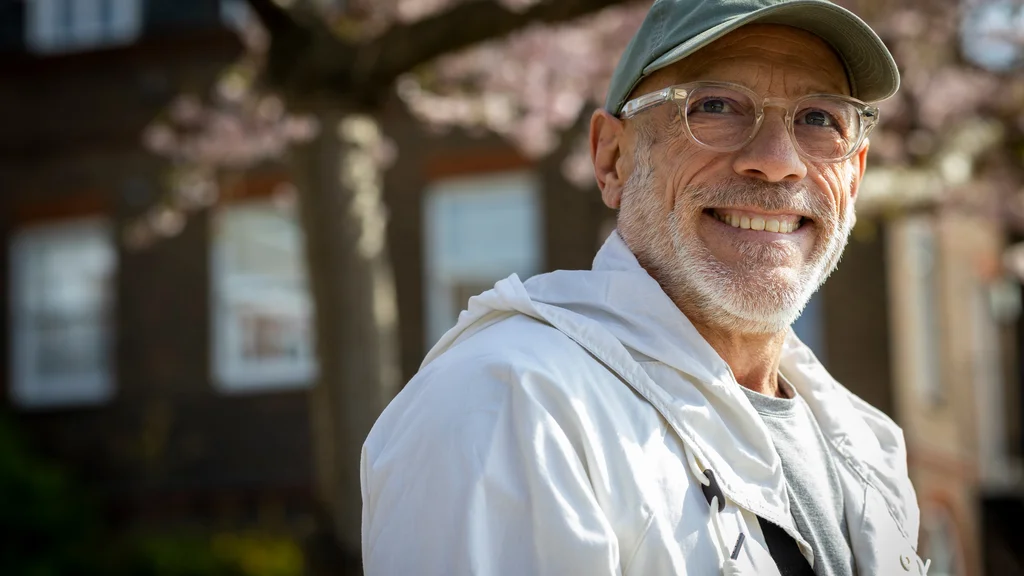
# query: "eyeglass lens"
[823,128]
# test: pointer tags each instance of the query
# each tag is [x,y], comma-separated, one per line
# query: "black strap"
[712,490]
[784,551]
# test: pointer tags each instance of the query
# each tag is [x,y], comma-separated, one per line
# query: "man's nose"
[772,155]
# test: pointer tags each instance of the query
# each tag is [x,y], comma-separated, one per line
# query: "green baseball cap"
[675,29]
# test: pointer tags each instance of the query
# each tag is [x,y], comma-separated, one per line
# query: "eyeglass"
[725,117]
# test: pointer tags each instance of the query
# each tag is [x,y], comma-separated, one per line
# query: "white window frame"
[58,26]
[444,273]
[230,371]
[924,271]
[30,390]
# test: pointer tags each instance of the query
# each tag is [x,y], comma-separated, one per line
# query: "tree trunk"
[343,216]
[574,218]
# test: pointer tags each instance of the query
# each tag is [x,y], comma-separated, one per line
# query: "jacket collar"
[686,380]
[693,386]
[619,313]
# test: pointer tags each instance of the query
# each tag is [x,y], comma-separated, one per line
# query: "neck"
[753,358]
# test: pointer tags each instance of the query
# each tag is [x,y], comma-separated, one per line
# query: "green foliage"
[198,554]
[49,527]
[45,524]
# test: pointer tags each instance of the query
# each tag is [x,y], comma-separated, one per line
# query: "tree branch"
[274,18]
[307,60]
[296,38]
[402,48]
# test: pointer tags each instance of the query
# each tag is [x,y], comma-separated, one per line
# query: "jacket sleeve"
[467,472]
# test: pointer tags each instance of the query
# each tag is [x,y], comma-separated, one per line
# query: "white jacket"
[562,427]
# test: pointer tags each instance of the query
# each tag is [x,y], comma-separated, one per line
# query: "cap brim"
[872,71]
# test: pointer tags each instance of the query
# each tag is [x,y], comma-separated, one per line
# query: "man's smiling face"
[742,239]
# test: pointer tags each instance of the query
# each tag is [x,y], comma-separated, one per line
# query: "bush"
[221,554]
[49,527]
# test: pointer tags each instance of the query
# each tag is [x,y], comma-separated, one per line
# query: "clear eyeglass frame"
[680,95]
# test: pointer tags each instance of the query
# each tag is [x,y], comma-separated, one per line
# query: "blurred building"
[171,379]
[953,318]
[177,378]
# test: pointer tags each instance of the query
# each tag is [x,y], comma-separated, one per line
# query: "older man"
[656,415]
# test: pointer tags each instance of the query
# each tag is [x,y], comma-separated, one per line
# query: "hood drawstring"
[716,500]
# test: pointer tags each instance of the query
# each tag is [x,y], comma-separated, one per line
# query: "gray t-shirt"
[815,496]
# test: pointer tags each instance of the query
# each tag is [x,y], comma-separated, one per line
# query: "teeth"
[758,223]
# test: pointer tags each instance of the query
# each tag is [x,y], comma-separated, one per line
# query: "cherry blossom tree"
[308,91]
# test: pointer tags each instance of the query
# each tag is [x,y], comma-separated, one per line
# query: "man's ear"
[606,141]
[860,165]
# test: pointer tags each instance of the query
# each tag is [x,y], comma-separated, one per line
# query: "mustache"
[768,196]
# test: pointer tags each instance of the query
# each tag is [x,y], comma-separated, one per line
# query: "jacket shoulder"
[519,345]
[480,448]
[517,363]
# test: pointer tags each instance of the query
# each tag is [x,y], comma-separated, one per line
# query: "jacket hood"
[619,295]
[621,315]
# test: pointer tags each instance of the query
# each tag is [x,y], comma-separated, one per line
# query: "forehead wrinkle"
[738,69]
[761,59]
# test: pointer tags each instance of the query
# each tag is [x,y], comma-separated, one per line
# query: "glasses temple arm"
[641,103]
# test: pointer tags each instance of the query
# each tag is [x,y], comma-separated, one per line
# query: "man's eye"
[818,118]
[713,106]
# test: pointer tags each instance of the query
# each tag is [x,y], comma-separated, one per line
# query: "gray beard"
[758,300]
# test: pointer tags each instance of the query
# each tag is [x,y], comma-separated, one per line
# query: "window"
[55,26]
[62,313]
[990,34]
[235,13]
[923,272]
[479,230]
[262,310]
[940,541]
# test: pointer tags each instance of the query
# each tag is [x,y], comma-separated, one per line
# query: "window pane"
[122,20]
[940,541]
[478,231]
[43,24]
[923,273]
[263,336]
[54,26]
[61,309]
[86,26]
[235,13]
